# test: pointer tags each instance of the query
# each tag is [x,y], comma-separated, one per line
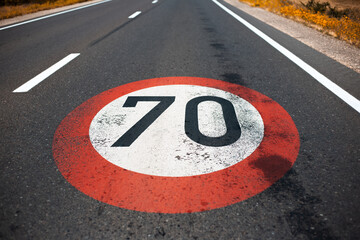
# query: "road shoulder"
[26,17]
[338,50]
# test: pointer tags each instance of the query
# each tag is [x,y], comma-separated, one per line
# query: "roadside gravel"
[338,50]
[26,17]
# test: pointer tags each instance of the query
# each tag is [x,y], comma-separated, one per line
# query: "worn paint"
[164,149]
[82,165]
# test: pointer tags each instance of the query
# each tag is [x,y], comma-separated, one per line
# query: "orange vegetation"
[343,28]
[13,11]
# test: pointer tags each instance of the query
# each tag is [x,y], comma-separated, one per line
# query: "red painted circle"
[90,173]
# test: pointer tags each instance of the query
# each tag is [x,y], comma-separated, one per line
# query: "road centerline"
[45,74]
[135,14]
[334,88]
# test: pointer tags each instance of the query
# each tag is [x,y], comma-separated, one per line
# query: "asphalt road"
[317,199]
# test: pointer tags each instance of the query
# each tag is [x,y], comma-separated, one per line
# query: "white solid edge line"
[135,14]
[155,1]
[52,15]
[42,76]
[338,91]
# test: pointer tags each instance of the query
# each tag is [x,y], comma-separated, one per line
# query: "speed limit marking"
[176,130]
[175,145]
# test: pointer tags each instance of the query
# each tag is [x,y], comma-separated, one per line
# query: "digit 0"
[233,130]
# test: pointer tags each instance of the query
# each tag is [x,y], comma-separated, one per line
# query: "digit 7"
[135,131]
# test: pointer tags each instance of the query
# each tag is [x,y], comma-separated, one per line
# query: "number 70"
[233,130]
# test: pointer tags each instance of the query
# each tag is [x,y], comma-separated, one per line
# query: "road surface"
[318,198]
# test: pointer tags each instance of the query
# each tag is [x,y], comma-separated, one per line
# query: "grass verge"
[343,24]
[18,10]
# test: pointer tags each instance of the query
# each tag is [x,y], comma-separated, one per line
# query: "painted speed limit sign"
[175,145]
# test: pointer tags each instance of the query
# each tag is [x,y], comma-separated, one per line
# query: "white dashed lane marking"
[135,14]
[45,74]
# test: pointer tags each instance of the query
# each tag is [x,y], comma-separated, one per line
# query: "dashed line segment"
[45,74]
[135,14]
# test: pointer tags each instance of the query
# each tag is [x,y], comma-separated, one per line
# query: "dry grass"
[13,11]
[343,27]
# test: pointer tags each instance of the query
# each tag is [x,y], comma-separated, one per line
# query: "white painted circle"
[164,149]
